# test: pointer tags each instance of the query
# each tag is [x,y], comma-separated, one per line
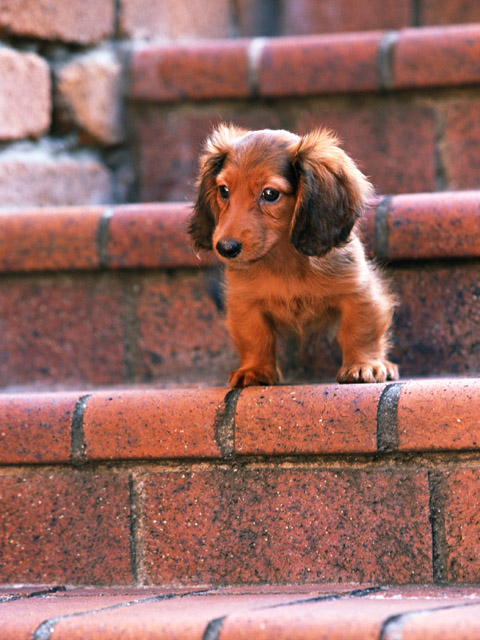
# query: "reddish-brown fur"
[294,261]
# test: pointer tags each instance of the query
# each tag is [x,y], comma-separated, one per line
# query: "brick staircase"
[144,499]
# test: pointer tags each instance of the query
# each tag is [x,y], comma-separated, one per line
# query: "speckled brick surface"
[237,526]
[319,64]
[458,490]
[147,424]
[439,415]
[64,526]
[182,334]
[307,419]
[191,70]
[36,428]
[427,226]
[50,238]
[61,330]
[437,56]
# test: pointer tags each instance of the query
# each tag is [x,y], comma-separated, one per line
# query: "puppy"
[279,211]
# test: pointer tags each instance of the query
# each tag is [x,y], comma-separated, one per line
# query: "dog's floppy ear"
[331,194]
[202,222]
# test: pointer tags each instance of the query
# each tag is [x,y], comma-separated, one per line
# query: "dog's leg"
[363,337]
[254,339]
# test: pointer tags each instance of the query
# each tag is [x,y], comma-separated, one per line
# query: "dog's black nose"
[229,248]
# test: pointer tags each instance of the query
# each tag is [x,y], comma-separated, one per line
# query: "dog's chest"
[293,311]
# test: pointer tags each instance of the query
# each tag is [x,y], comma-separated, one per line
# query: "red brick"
[309,419]
[36,428]
[311,16]
[21,619]
[374,134]
[49,239]
[436,321]
[286,525]
[152,424]
[186,617]
[65,527]
[197,70]
[451,622]
[319,64]
[435,12]
[141,19]
[152,235]
[181,332]
[366,618]
[444,225]
[437,57]
[61,330]
[366,227]
[462,525]
[460,149]
[171,176]
[439,415]
[83,21]
[25,105]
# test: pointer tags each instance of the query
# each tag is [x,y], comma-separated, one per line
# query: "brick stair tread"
[262,613]
[402,227]
[268,67]
[423,415]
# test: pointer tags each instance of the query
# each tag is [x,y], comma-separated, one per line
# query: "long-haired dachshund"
[279,210]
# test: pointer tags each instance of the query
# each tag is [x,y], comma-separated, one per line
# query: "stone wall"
[65,136]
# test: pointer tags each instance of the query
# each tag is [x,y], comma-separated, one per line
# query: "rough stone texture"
[460,146]
[64,526]
[311,16]
[38,178]
[181,332]
[301,419]
[171,176]
[319,64]
[434,225]
[140,19]
[462,524]
[25,103]
[36,428]
[393,142]
[82,21]
[152,424]
[194,71]
[435,12]
[49,239]
[436,321]
[439,415]
[152,235]
[90,91]
[61,331]
[437,56]
[280,525]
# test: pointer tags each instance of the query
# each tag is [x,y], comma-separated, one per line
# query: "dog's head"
[259,189]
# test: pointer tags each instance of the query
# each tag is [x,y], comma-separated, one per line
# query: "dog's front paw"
[250,377]
[376,371]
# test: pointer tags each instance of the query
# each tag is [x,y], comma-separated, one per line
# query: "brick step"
[266,485]
[404,103]
[259,614]
[111,296]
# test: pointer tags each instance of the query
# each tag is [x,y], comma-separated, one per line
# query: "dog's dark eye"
[224,192]
[270,195]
